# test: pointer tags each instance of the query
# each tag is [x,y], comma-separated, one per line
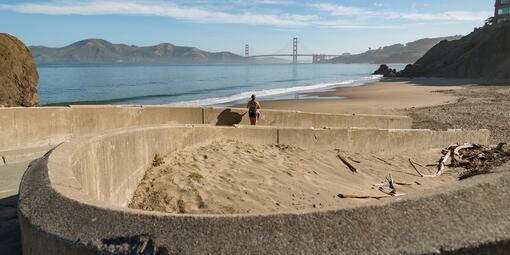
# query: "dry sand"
[386,97]
[437,104]
[230,177]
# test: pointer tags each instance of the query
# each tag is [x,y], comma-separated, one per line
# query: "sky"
[268,26]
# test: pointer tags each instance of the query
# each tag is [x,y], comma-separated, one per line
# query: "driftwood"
[382,160]
[361,196]
[353,160]
[475,158]
[416,169]
[390,183]
[349,165]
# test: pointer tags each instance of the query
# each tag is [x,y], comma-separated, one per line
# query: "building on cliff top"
[502,11]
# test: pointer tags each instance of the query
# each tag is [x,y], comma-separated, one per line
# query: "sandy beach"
[384,97]
[437,104]
[231,177]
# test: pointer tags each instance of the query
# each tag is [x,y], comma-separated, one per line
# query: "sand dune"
[230,177]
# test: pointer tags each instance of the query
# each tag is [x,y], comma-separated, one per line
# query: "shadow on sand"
[229,118]
[10,242]
[447,81]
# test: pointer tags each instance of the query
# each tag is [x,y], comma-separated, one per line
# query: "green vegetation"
[195,176]
[158,160]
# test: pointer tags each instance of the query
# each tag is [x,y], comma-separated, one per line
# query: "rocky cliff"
[485,53]
[397,53]
[18,73]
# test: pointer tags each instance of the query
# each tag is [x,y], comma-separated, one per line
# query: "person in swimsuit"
[253,110]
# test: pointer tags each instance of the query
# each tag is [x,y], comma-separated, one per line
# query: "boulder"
[18,73]
[385,71]
[413,70]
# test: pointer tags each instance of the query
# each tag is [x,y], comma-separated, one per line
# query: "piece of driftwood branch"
[349,165]
[415,169]
[500,146]
[442,162]
[382,160]
[361,196]
[353,160]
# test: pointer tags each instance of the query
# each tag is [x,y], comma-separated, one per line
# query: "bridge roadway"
[290,55]
[317,58]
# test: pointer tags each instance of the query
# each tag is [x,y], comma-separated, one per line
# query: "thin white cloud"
[441,16]
[208,11]
[94,7]
[340,10]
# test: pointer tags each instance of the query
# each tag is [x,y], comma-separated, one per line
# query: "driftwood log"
[349,165]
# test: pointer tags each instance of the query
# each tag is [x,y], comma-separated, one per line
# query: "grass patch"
[158,160]
[195,177]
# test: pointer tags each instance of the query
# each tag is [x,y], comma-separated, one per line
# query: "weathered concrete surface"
[24,128]
[280,118]
[72,201]
[378,140]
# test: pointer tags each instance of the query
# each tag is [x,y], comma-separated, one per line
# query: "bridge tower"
[295,50]
[246,50]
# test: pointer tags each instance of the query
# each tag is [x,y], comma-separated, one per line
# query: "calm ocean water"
[192,85]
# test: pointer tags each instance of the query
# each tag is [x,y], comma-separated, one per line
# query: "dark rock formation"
[18,73]
[386,71]
[485,53]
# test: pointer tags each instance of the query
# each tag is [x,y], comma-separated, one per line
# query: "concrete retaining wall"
[22,128]
[72,201]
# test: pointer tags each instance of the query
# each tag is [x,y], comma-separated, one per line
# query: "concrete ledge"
[24,128]
[72,201]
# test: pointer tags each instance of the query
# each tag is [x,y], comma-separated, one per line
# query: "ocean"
[192,85]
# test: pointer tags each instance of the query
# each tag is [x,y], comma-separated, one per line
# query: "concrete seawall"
[73,200]
[30,131]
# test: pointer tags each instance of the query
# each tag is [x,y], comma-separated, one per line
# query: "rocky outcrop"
[18,73]
[385,71]
[397,53]
[485,54]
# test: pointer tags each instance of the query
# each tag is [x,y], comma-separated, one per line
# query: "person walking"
[253,110]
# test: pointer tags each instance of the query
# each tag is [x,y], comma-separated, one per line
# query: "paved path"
[10,178]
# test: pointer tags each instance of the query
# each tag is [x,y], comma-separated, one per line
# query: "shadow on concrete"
[10,241]
[229,118]
[448,81]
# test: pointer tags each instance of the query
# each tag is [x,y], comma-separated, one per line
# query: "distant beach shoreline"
[381,97]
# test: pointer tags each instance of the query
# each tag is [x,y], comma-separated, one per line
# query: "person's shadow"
[229,118]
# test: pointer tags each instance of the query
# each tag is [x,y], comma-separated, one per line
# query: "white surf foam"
[276,91]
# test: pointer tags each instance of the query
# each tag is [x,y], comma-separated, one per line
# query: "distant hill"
[97,51]
[485,53]
[397,53]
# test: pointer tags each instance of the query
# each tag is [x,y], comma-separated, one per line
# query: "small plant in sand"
[158,160]
[195,176]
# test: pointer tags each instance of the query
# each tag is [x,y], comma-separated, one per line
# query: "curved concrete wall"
[72,201]
[23,128]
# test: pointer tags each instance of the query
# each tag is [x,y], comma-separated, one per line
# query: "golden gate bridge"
[316,58]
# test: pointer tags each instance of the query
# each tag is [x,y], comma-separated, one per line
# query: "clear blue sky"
[226,25]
